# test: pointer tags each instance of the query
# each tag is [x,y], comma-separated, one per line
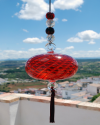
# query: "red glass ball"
[50,16]
[50,30]
[51,66]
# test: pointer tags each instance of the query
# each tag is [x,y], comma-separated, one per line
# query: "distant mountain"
[83,58]
[88,58]
[14,59]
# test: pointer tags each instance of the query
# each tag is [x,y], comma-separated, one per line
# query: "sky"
[23,25]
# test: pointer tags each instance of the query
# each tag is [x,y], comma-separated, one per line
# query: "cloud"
[58,48]
[87,35]
[55,19]
[36,9]
[65,50]
[17,4]
[75,39]
[79,54]
[34,40]
[64,20]
[13,54]
[25,30]
[68,4]
[70,47]
[91,42]
[33,9]
[91,53]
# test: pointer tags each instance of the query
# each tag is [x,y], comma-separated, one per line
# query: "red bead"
[50,16]
[51,66]
[50,30]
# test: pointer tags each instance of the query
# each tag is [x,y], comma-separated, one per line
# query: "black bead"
[50,30]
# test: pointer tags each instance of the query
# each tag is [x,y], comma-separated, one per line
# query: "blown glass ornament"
[51,66]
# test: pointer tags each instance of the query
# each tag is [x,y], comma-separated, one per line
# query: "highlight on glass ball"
[50,16]
[50,30]
[50,38]
[50,23]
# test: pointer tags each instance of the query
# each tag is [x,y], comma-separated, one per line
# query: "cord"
[49,5]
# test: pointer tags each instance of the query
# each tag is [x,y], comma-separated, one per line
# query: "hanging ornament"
[51,66]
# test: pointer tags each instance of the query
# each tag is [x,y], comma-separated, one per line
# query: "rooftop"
[96,85]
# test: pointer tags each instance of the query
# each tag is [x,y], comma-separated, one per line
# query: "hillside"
[16,69]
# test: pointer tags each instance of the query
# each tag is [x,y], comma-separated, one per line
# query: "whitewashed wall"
[26,112]
[4,114]
[64,94]
[92,89]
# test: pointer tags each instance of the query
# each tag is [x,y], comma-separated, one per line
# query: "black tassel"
[52,107]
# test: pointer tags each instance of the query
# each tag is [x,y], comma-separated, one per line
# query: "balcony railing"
[23,109]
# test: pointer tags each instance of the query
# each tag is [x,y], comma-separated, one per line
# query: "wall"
[4,114]
[35,113]
[92,89]
[35,110]
[64,93]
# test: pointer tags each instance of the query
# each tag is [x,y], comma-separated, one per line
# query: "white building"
[84,80]
[93,89]
[77,86]
[96,78]
[63,84]
[96,82]
[65,94]
[2,81]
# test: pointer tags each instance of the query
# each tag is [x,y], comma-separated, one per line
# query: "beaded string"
[50,30]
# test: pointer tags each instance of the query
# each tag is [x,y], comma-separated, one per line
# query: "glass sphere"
[50,23]
[52,84]
[51,66]
[50,30]
[50,16]
[50,38]
[51,47]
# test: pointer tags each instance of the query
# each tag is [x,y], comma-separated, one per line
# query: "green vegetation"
[4,88]
[95,97]
[13,69]
[14,86]
[87,68]
[16,69]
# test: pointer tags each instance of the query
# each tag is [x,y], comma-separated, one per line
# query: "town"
[82,89]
